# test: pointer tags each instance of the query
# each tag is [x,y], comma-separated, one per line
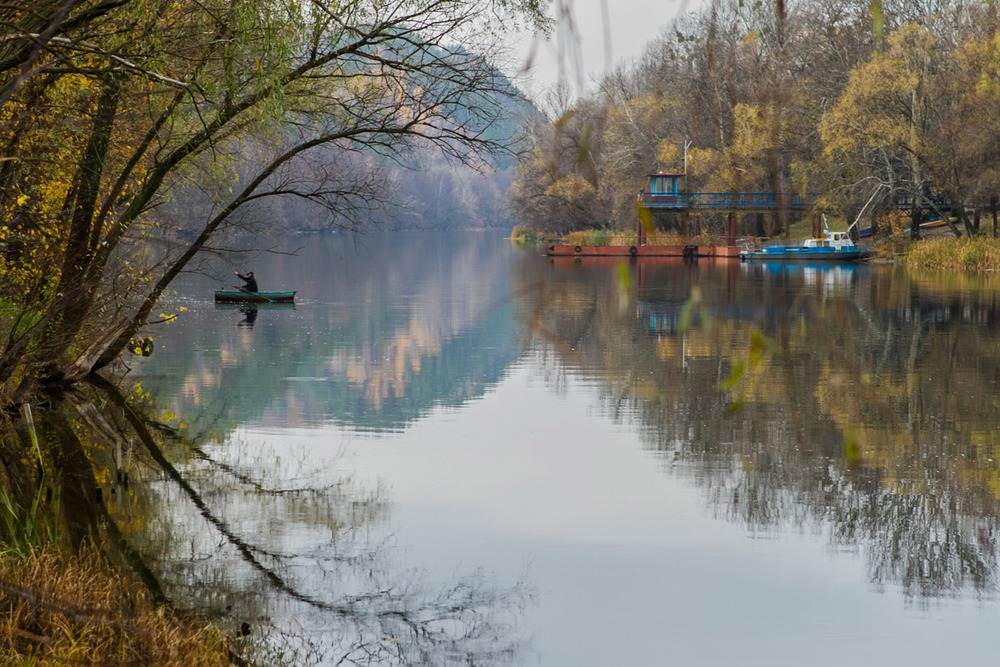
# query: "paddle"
[245,290]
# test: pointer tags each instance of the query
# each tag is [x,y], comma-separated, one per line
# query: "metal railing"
[726,200]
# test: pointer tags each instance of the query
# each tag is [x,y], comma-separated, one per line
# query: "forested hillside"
[420,187]
[845,99]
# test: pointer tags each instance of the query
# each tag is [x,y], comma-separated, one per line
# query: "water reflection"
[268,545]
[855,403]
[382,332]
[837,400]
[823,278]
[847,399]
[249,316]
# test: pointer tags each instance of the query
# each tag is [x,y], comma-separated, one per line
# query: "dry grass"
[610,237]
[59,611]
[964,254]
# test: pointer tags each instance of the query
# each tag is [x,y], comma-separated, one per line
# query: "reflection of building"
[662,318]
[665,318]
[764,292]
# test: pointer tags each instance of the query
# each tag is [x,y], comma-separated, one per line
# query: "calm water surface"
[600,463]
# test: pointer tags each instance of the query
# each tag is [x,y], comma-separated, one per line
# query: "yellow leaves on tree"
[635,116]
[756,131]
[703,170]
[571,188]
[983,57]
[669,156]
[881,107]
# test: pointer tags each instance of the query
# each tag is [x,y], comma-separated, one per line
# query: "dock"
[665,193]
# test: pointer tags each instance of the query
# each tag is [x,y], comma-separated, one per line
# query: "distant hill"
[419,188]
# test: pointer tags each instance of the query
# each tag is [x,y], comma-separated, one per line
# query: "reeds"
[27,529]
[58,610]
[965,254]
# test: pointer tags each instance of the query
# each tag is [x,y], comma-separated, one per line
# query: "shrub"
[524,235]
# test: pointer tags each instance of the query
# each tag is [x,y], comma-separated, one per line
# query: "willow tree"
[108,106]
[886,118]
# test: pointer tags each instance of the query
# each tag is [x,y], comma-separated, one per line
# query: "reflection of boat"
[239,296]
[834,246]
[833,277]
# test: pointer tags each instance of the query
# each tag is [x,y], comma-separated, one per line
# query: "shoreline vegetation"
[77,609]
[978,254]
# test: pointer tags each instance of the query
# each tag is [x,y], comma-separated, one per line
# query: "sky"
[605,33]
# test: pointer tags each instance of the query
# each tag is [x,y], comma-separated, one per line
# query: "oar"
[246,291]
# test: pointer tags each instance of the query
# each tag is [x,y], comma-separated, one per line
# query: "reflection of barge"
[638,251]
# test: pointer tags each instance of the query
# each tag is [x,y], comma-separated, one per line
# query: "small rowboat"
[240,296]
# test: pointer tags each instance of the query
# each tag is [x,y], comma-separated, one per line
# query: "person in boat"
[250,283]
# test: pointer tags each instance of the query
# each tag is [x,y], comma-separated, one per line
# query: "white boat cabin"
[834,240]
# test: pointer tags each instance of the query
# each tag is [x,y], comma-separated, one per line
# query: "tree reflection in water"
[865,415]
[208,535]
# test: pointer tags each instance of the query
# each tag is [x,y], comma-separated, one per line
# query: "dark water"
[584,463]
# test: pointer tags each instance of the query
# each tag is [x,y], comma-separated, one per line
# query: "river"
[566,462]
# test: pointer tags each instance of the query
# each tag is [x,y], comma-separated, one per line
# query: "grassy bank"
[58,610]
[964,254]
[525,236]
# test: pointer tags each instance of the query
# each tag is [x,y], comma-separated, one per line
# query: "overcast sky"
[607,32]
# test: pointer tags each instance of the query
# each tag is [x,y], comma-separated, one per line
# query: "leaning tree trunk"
[947,218]
[78,258]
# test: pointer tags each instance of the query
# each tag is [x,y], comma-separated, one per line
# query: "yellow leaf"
[739,370]
[624,277]
[851,450]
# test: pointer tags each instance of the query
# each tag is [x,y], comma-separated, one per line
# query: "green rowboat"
[240,296]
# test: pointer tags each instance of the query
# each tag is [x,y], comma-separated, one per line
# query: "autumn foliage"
[839,100]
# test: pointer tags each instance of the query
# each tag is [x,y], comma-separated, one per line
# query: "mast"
[865,207]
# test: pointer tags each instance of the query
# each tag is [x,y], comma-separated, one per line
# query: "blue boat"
[832,247]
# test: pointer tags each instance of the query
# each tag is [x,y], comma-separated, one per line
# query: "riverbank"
[964,254]
[940,250]
[60,609]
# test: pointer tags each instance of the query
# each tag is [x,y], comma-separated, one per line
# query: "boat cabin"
[833,240]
